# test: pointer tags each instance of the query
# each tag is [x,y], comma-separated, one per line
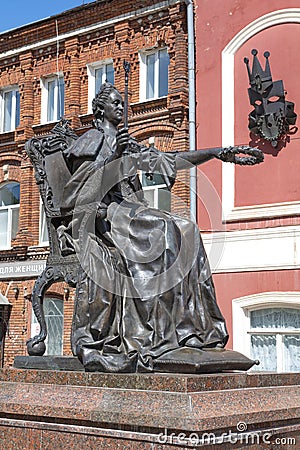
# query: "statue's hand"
[101,210]
[122,141]
[226,154]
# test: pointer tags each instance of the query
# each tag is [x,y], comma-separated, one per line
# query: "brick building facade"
[50,69]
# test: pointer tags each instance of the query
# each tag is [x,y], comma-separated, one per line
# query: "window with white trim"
[275,339]
[156,191]
[154,78]
[267,327]
[54,316]
[9,213]
[98,73]
[9,109]
[53,98]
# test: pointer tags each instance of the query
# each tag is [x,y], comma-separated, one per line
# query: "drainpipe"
[192,105]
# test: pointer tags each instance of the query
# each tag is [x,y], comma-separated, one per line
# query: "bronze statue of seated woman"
[145,299]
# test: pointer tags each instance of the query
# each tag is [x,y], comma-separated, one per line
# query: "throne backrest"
[51,174]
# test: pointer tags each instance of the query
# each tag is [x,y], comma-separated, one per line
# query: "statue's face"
[114,108]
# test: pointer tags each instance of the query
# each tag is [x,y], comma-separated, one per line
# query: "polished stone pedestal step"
[42,409]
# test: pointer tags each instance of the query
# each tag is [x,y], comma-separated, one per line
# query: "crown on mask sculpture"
[259,79]
[272,114]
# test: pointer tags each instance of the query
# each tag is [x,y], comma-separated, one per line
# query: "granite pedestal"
[43,409]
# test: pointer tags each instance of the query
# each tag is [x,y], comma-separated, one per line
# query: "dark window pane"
[7,110]
[164,199]
[14,222]
[164,61]
[17,108]
[152,179]
[3,227]
[54,316]
[61,98]
[44,230]
[149,196]
[51,99]
[10,194]
[98,79]
[110,73]
[150,62]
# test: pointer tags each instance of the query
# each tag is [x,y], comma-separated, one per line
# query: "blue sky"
[15,13]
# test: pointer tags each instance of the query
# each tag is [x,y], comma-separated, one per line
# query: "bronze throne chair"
[51,174]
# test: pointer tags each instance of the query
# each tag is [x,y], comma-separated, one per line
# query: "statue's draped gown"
[145,287]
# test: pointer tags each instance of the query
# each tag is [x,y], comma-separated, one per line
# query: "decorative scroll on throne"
[51,174]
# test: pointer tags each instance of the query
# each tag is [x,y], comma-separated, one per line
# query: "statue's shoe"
[94,361]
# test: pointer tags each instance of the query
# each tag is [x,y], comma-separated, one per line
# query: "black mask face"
[272,114]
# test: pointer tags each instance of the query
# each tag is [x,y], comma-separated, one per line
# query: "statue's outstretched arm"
[242,155]
[185,159]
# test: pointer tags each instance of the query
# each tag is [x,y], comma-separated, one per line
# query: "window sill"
[39,246]
[5,249]
[86,120]
[44,128]
[7,136]
[149,106]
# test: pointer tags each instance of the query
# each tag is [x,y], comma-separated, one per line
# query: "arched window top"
[279,318]
[10,194]
[54,307]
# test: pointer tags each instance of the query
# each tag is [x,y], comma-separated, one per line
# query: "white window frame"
[45,97]
[13,121]
[9,209]
[155,188]
[241,329]
[42,224]
[91,71]
[143,73]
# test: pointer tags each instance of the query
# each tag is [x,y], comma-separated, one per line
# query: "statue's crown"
[259,79]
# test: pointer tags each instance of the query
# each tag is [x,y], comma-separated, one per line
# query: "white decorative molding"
[242,306]
[230,212]
[275,248]
[265,211]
